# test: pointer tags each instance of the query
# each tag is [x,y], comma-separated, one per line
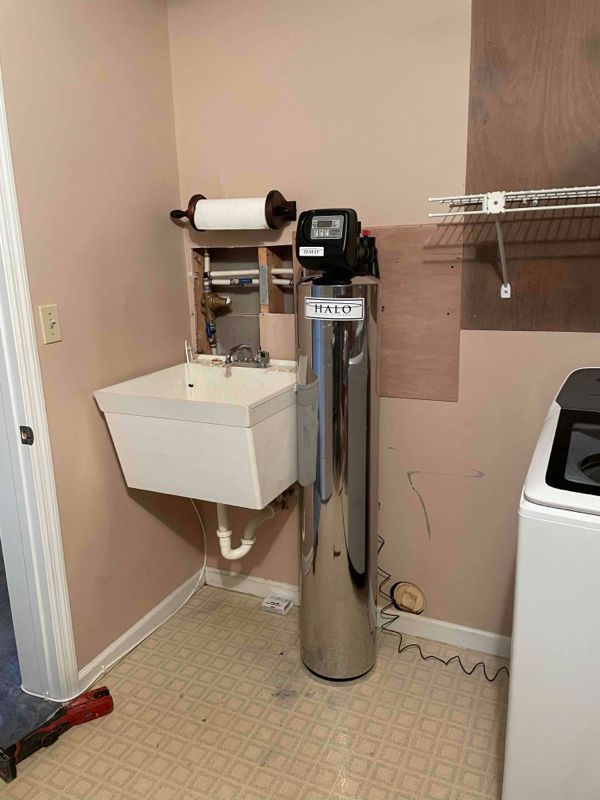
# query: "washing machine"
[553,733]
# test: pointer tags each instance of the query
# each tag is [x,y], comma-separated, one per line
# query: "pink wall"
[467,461]
[362,113]
[371,112]
[88,93]
[368,108]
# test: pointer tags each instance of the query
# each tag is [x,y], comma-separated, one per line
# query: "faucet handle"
[235,351]
[244,354]
[263,358]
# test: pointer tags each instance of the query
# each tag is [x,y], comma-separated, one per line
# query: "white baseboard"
[436,630]
[494,644]
[248,584]
[138,632]
[424,627]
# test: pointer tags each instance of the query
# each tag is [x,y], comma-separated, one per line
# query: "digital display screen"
[322,227]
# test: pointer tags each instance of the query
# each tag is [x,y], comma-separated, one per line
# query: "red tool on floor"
[88,706]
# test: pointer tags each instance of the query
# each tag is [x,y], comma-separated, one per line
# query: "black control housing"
[338,258]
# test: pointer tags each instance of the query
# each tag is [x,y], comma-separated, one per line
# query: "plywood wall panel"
[534,104]
[534,122]
[420,320]
[278,335]
[553,266]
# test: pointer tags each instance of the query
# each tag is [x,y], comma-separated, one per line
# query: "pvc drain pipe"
[225,533]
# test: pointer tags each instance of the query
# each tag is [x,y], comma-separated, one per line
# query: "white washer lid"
[536,490]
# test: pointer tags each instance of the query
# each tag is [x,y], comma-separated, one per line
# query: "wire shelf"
[526,200]
[496,204]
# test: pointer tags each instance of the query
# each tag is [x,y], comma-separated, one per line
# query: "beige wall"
[370,110]
[88,93]
[335,103]
[467,462]
[359,112]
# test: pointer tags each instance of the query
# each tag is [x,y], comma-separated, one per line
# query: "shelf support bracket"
[505,288]
[516,202]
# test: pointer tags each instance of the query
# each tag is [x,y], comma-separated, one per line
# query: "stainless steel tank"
[338,432]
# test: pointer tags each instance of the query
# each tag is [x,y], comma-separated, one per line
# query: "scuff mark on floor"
[283,695]
[476,473]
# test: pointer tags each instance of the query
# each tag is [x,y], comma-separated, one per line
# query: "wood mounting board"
[420,320]
[534,117]
[271,260]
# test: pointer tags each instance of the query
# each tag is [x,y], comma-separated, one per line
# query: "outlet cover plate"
[50,324]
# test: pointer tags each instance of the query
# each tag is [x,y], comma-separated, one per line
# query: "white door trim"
[44,635]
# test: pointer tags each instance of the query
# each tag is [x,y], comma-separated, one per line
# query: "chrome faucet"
[248,359]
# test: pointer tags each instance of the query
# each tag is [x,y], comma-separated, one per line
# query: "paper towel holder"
[189,212]
[278,210]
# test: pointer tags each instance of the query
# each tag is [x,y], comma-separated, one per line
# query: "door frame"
[34,559]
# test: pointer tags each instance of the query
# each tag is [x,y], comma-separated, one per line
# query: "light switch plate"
[50,323]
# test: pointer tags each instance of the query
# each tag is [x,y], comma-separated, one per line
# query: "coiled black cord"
[391,618]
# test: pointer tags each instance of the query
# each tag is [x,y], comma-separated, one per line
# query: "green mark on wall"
[592,49]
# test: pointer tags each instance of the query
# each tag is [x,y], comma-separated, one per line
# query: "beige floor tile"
[216,705]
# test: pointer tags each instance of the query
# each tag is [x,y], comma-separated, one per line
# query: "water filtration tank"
[337,318]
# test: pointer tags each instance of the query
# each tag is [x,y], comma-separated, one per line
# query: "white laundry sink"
[230,438]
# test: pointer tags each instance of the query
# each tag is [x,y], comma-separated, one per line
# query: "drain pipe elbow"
[224,532]
[249,534]
[229,552]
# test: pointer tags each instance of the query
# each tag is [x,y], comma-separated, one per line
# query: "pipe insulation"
[234,273]
[234,281]
[248,281]
[247,273]
[225,534]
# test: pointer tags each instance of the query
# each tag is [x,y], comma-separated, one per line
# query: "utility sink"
[230,438]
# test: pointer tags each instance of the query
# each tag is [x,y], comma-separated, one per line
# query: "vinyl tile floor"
[216,705]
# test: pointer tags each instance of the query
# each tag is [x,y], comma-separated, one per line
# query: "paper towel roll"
[246,213]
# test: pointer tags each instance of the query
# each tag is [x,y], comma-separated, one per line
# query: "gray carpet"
[20,713]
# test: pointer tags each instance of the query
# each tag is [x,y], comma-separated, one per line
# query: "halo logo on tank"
[334,308]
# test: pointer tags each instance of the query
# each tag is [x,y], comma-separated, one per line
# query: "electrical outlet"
[50,324]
